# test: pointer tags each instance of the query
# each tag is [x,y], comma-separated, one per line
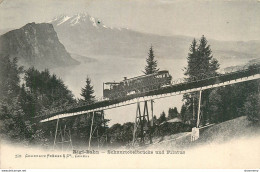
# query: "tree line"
[217,104]
[25,93]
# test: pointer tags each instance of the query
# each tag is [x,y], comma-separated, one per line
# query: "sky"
[228,20]
[217,19]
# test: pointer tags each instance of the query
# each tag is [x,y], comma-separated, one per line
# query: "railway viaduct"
[177,87]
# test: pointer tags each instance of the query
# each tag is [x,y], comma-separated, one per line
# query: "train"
[135,85]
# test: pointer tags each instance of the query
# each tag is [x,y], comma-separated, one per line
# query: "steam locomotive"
[140,84]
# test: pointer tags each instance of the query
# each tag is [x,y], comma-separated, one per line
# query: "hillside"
[35,45]
[228,131]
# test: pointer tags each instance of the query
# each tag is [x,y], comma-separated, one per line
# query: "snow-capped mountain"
[88,36]
[77,19]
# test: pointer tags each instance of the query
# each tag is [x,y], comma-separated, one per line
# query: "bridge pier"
[199,114]
[94,129]
[195,130]
[62,136]
[142,123]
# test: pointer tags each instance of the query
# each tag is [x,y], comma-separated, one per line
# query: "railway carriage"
[140,84]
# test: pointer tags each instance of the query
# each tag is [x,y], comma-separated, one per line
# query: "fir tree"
[11,113]
[200,64]
[151,66]
[162,117]
[200,60]
[88,91]
[252,108]
[172,113]
[192,58]
[9,77]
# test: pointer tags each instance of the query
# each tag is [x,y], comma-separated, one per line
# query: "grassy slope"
[219,133]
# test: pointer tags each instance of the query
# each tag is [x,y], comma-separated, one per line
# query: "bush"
[252,108]
[169,128]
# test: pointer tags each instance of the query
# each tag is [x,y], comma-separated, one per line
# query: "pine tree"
[200,60]
[151,66]
[192,58]
[9,77]
[162,117]
[87,92]
[11,113]
[200,64]
[252,108]
[207,64]
[172,113]
[191,73]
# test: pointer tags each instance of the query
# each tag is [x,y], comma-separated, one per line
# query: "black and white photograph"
[130,84]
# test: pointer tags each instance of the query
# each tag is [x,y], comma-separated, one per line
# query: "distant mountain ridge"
[36,45]
[242,67]
[85,35]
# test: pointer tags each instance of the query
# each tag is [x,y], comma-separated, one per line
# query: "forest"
[26,92]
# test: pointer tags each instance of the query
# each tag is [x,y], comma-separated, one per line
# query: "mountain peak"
[36,45]
[78,19]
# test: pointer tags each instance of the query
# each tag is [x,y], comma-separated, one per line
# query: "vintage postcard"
[130,84]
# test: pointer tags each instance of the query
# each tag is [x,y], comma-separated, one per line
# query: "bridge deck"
[171,90]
